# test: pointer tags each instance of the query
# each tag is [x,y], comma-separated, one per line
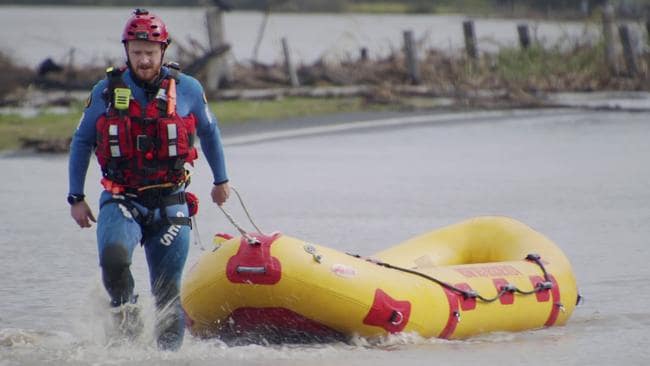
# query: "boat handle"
[248,269]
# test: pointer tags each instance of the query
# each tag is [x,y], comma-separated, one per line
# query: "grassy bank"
[48,126]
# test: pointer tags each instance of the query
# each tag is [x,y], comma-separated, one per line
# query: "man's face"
[145,58]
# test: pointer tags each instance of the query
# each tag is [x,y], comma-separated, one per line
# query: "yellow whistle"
[122,97]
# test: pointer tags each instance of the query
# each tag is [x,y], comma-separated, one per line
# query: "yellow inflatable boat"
[482,275]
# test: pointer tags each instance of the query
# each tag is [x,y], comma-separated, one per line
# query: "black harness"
[152,199]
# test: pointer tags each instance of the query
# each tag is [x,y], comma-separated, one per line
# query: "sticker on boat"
[342,270]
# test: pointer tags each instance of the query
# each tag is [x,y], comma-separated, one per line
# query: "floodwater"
[94,33]
[579,177]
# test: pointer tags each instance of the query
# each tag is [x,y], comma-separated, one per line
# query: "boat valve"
[457,315]
[561,307]
[312,250]
[396,318]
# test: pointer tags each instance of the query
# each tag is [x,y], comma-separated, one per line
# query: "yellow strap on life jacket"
[186,178]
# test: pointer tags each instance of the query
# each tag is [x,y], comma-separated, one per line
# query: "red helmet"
[145,26]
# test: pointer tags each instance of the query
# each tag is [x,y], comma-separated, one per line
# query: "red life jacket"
[144,146]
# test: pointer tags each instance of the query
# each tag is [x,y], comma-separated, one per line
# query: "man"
[141,120]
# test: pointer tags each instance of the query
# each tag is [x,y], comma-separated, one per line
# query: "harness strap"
[143,220]
[171,97]
[183,221]
[148,219]
[114,76]
[173,199]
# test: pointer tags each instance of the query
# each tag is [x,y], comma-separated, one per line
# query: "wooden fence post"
[290,69]
[470,39]
[628,51]
[610,54]
[364,54]
[411,57]
[70,66]
[218,69]
[524,35]
[584,8]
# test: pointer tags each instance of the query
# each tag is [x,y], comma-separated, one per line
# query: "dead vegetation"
[13,77]
[511,73]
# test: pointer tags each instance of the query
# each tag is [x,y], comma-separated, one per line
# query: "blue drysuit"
[118,233]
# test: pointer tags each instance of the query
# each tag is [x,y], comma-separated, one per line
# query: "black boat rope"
[471,294]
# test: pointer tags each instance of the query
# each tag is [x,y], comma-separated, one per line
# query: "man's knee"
[116,275]
[114,256]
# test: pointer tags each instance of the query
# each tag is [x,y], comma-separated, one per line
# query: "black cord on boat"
[471,294]
[538,260]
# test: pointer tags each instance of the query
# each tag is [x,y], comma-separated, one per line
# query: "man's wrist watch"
[75,198]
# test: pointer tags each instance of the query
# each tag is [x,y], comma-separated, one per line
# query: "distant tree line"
[413,6]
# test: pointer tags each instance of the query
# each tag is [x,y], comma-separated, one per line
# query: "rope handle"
[250,239]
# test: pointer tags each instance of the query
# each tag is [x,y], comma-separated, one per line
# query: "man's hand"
[220,193]
[82,214]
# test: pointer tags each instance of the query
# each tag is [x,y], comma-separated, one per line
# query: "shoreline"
[614,101]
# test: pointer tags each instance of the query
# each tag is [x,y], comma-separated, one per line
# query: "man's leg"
[117,235]
[166,255]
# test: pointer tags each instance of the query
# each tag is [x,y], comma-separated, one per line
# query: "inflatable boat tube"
[483,275]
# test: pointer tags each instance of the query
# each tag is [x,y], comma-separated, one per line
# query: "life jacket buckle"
[143,143]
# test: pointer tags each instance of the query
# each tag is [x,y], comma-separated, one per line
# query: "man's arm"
[83,142]
[208,131]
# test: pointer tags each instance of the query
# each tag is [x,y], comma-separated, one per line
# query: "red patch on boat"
[388,313]
[253,263]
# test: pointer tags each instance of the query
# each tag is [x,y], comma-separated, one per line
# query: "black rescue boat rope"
[471,294]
